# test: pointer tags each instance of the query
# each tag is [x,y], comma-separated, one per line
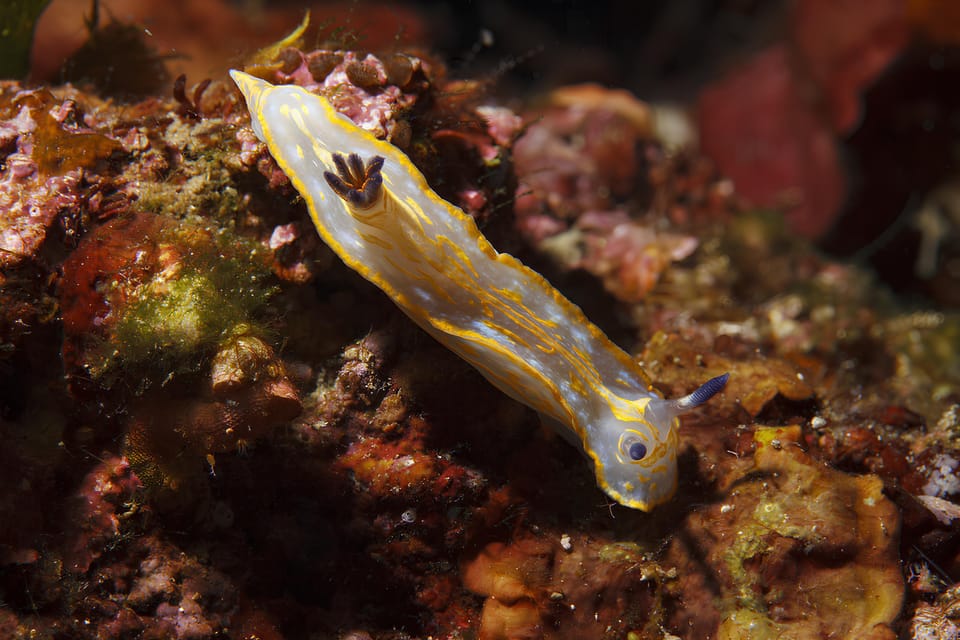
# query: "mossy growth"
[203,182]
[210,282]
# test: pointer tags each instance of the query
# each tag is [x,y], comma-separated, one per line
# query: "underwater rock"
[793,549]
[96,506]
[387,457]
[572,587]
[411,499]
[169,439]
[586,166]
[49,160]
[177,596]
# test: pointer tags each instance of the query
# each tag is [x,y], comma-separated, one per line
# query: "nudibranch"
[374,208]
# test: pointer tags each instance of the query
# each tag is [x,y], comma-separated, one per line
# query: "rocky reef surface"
[213,428]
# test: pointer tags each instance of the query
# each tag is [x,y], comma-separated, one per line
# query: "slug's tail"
[253,90]
[704,392]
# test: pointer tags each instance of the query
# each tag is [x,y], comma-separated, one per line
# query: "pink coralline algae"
[370,91]
[628,257]
[46,148]
[361,87]
[586,167]
[105,492]
[578,157]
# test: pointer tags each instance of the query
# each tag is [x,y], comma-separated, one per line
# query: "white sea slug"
[374,208]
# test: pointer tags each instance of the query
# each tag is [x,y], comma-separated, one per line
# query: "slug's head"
[636,459]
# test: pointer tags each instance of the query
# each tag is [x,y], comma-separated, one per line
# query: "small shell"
[241,360]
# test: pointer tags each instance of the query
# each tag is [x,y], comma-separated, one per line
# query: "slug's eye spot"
[357,184]
[632,447]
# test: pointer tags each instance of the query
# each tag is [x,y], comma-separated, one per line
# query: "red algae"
[775,122]
[795,164]
[61,142]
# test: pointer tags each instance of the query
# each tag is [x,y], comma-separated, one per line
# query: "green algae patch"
[203,182]
[216,283]
[149,298]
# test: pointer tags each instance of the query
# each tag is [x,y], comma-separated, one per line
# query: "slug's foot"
[358,185]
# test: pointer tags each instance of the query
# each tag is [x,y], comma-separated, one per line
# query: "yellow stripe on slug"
[524,336]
